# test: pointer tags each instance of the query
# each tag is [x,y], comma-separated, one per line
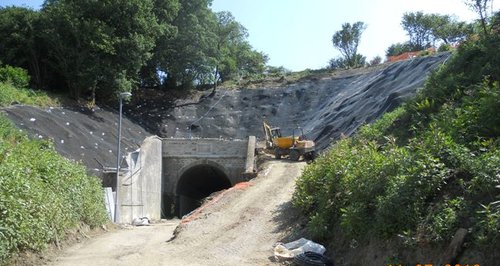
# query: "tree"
[419,28]
[190,55]
[425,30]
[235,56]
[337,63]
[347,41]
[208,47]
[97,46]
[399,48]
[19,38]
[481,8]
[166,11]
[229,33]
[377,60]
[342,63]
[249,61]
[449,30]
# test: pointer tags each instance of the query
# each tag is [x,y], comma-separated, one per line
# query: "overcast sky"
[296,34]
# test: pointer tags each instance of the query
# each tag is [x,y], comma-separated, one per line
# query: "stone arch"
[197,181]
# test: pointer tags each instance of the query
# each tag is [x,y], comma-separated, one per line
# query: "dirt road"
[238,229]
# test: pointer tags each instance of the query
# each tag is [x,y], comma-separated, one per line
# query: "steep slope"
[324,107]
[80,135]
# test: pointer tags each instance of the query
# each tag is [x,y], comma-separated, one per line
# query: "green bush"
[421,171]
[445,48]
[16,76]
[10,94]
[42,194]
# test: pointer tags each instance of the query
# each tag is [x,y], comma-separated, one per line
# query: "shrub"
[423,170]
[42,194]
[16,76]
[445,48]
[10,94]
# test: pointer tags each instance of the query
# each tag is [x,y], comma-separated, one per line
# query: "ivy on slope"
[42,194]
[423,170]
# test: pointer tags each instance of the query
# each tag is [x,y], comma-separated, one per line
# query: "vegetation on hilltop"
[92,49]
[422,171]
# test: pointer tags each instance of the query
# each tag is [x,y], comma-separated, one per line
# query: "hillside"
[325,107]
[421,184]
[89,137]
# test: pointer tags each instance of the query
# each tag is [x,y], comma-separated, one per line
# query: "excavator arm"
[268,135]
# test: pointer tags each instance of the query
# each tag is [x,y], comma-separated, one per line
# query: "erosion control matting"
[325,107]
[78,134]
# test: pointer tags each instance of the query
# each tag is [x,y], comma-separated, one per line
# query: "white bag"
[290,250]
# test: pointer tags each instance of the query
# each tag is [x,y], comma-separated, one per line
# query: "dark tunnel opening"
[197,183]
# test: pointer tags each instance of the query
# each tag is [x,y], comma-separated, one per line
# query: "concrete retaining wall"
[140,189]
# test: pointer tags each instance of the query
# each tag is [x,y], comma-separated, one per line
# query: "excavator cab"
[276,132]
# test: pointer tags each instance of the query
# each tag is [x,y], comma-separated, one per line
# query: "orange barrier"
[408,55]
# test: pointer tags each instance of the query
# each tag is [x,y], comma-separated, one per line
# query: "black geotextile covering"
[324,107]
[79,134]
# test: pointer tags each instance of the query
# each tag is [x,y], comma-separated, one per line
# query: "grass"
[10,95]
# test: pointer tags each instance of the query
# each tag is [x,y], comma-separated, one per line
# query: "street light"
[118,183]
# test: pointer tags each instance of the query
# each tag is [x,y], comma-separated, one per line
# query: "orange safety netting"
[408,55]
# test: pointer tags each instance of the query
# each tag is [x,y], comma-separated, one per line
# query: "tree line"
[424,31]
[94,49]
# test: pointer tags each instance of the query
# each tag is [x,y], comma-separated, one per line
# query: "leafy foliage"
[399,48]
[425,30]
[20,41]
[347,40]
[91,45]
[42,194]
[423,170]
[481,8]
[419,28]
[447,29]
[13,88]
[94,49]
[16,76]
[377,60]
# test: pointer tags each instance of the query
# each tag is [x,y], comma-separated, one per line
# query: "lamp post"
[118,183]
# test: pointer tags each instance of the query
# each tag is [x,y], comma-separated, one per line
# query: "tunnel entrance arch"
[197,182]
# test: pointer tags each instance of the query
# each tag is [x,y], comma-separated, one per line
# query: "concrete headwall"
[180,155]
[140,188]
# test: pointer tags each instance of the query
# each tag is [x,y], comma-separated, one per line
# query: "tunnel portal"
[197,183]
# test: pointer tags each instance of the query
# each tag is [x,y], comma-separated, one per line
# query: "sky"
[296,34]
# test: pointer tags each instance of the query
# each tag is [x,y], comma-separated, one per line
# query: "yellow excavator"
[295,146]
